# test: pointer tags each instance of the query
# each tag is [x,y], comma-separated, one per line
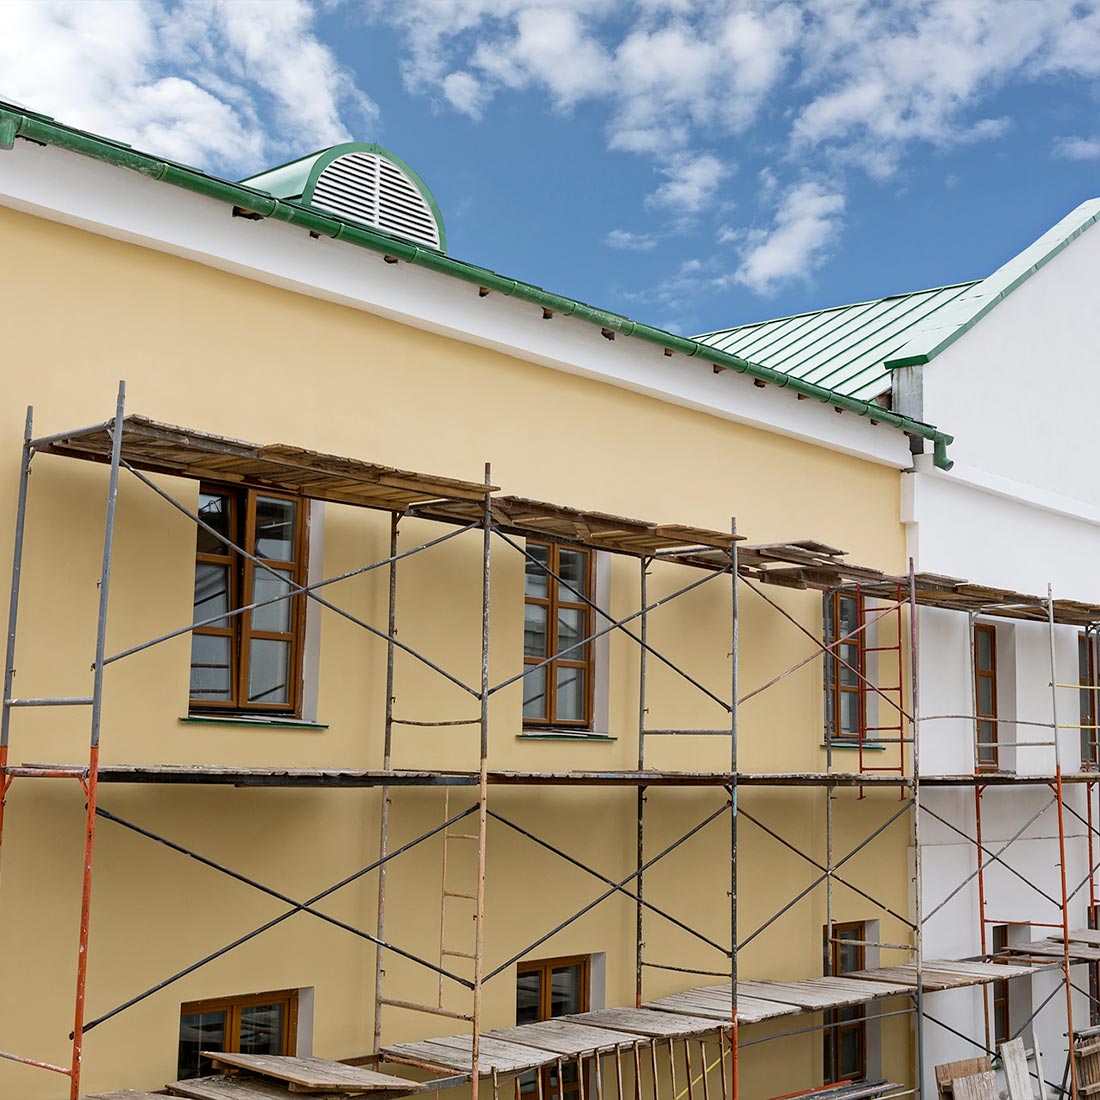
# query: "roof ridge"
[839,306]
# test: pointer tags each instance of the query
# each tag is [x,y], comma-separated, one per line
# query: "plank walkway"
[692,1014]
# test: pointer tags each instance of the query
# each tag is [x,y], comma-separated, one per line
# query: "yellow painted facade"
[224,354]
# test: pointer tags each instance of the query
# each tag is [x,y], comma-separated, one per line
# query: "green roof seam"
[42,129]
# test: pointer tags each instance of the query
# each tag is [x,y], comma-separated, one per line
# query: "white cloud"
[1077,148]
[691,183]
[628,241]
[464,93]
[807,222]
[190,81]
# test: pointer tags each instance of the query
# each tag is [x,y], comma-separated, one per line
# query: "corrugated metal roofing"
[844,348]
[851,349]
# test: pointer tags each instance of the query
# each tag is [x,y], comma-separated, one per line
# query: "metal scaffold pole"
[918,884]
[387,764]
[13,609]
[483,787]
[735,1084]
[642,668]
[1059,794]
[92,781]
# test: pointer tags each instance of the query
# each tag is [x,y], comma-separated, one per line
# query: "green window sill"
[563,735]
[853,746]
[251,720]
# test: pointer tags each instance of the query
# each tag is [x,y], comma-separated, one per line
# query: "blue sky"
[691,163]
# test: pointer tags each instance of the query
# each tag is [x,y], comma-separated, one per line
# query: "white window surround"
[66,187]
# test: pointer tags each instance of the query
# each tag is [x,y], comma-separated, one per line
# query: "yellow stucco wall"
[213,351]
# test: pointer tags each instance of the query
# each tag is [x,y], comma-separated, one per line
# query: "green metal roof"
[19,122]
[853,348]
[843,348]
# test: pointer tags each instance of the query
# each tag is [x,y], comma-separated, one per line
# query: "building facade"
[237,315]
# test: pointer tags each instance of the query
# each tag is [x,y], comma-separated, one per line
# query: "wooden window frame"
[242,572]
[1000,991]
[586,661]
[233,1006]
[834,687]
[982,761]
[858,1025]
[546,967]
[1086,677]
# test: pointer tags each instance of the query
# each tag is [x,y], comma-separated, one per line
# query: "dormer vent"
[361,183]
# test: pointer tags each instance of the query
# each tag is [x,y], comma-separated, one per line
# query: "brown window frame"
[986,761]
[834,687]
[232,1006]
[836,1025]
[586,661]
[1086,677]
[549,1086]
[242,572]
[1002,1013]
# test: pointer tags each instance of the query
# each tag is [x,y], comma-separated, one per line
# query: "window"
[555,619]
[985,696]
[846,1042]
[1086,677]
[260,1023]
[1001,1026]
[552,987]
[844,689]
[251,662]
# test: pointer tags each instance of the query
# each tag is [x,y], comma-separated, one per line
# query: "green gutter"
[41,129]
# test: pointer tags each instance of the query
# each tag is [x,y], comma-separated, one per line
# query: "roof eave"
[45,131]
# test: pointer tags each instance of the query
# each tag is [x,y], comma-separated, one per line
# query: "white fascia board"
[91,195]
[972,477]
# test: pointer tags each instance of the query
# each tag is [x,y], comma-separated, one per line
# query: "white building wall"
[1020,510]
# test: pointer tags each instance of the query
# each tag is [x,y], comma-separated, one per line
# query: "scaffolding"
[709,1017]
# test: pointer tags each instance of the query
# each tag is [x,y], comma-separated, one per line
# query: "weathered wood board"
[313,1073]
[246,1088]
[948,1071]
[569,1037]
[978,1086]
[647,1022]
[454,1052]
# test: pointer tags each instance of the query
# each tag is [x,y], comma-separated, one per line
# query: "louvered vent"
[369,188]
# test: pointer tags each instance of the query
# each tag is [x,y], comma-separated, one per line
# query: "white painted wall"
[1020,510]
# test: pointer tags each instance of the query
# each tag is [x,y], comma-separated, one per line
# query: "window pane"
[262,1029]
[570,698]
[534,630]
[571,623]
[565,990]
[986,704]
[199,1031]
[534,694]
[528,997]
[211,668]
[984,649]
[275,529]
[269,671]
[849,713]
[851,1064]
[829,719]
[849,615]
[275,617]
[573,570]
[537,581]
[211,593]
[849,654]
[214,510]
